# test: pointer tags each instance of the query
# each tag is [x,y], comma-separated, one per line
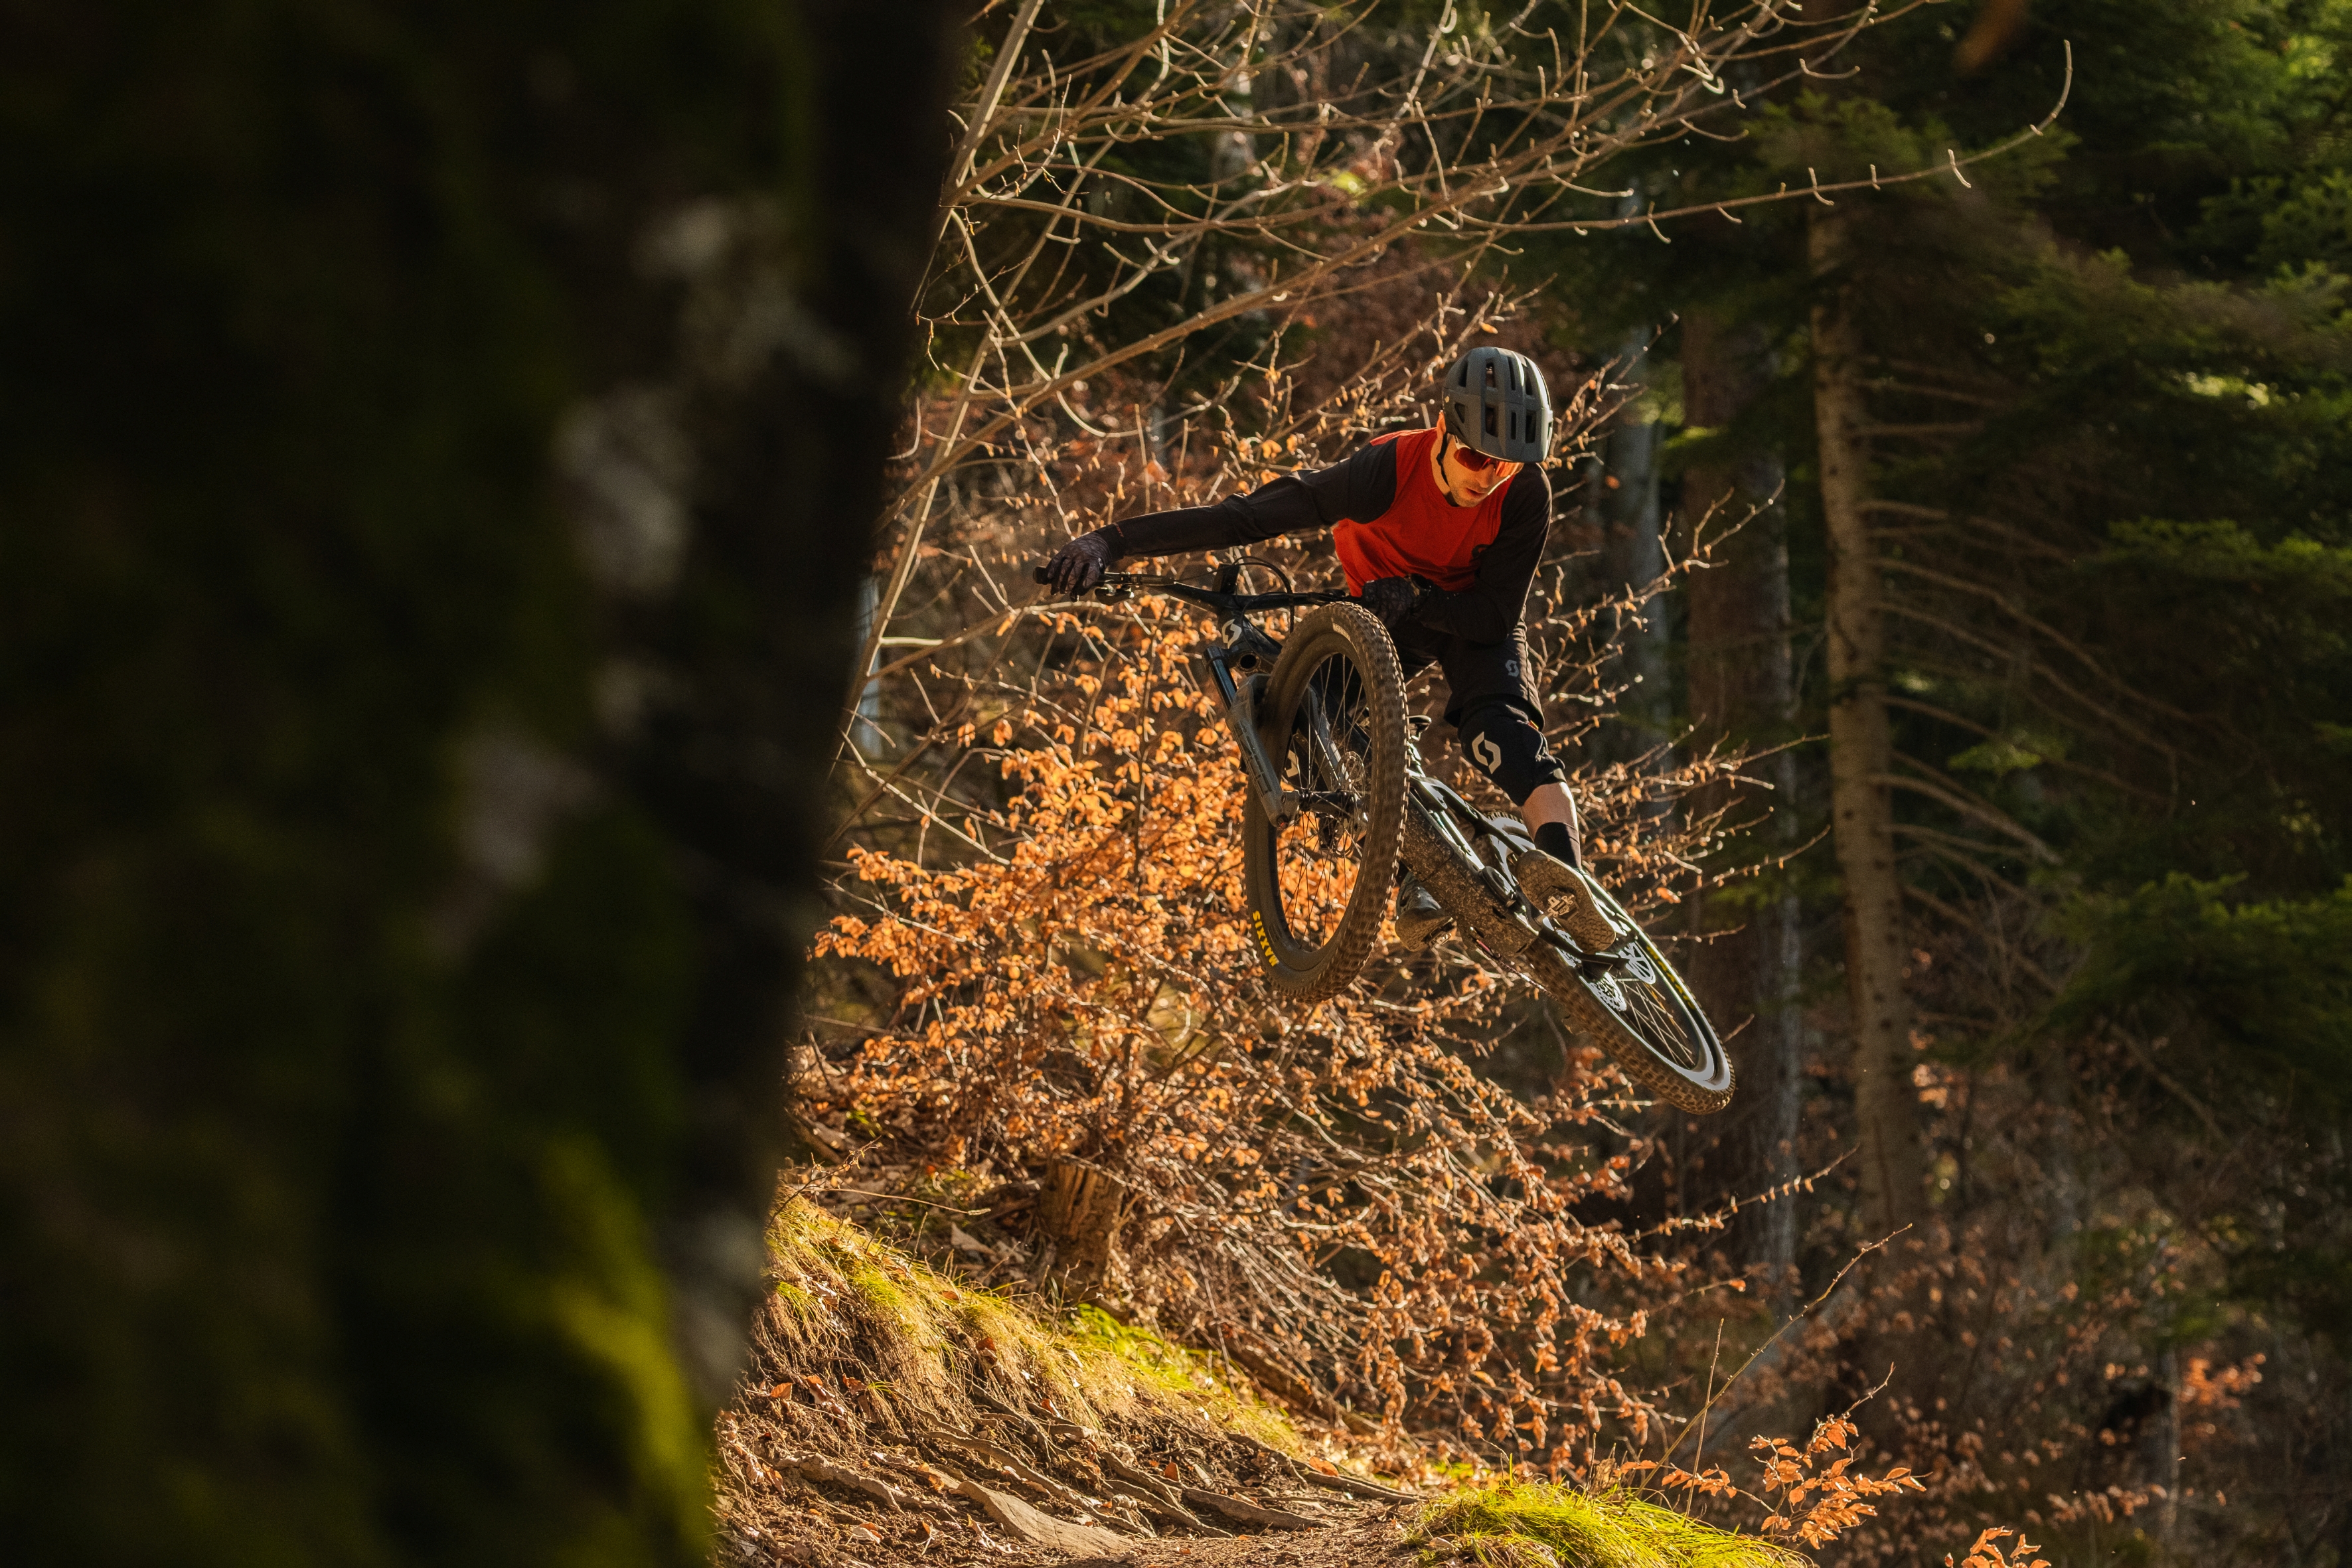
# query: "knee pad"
[1502,742]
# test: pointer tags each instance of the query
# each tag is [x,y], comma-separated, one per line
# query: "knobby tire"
[1701,1088]
[1313,970]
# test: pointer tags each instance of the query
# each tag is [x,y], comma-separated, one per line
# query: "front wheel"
[1332,720]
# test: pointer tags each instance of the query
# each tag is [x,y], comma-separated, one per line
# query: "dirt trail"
[1158,1494]
[894,1414]
[836,1533]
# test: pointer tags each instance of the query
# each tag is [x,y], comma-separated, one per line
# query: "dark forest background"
[2030,901]
[2066,448]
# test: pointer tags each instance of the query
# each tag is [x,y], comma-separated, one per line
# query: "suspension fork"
[1240,700]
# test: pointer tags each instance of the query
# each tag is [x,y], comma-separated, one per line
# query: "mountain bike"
[1338,798]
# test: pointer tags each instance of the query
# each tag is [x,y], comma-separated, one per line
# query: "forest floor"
[1380,1541]
[836,1529]
[894,1415]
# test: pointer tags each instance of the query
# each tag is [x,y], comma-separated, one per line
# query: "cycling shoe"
[1565,894]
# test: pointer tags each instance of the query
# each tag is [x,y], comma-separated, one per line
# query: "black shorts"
[1491,703]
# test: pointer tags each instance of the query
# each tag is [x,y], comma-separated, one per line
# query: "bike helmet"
[1496,402]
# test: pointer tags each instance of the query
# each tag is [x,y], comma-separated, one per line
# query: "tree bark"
[1742,689]
[1861,751]
[411,849]
[1623,499]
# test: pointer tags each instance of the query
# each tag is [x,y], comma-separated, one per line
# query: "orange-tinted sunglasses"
[1470,458]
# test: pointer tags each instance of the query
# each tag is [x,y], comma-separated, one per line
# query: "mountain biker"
[1438,531]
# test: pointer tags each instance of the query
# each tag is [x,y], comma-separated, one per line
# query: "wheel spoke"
[1333,724]
[1660,1023]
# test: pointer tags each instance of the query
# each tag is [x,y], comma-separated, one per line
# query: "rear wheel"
[1639,1010]
[1641,1013]
[1332,718]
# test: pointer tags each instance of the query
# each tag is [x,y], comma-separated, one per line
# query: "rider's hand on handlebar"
[1393,599]
[1078,565]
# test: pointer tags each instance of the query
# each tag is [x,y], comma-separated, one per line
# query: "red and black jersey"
[1388,519]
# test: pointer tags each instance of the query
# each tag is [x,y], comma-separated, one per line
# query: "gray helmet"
[1496,401]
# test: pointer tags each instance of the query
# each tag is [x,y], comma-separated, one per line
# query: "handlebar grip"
[1037,574]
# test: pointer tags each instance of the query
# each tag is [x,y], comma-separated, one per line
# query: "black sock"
[1557,839]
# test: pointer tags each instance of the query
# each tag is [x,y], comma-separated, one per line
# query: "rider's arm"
[1364,486]
[1487,609]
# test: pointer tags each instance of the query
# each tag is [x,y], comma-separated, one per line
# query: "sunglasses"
[1470,458]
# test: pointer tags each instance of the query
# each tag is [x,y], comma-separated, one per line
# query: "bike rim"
[1645,1001]
[1649,1002]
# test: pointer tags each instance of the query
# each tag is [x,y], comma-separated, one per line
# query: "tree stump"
[1080,1212]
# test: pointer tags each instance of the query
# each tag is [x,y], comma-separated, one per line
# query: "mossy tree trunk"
[425,593]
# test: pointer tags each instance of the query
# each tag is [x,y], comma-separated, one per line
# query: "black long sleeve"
[1361,490]
[1357,489]
[1493,604]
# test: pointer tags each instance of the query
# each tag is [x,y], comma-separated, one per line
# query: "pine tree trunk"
[1742,689]
[1861,753]
[1776,1065]
[2167,1445]
[1623,498]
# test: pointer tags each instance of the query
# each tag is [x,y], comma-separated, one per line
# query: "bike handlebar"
[1116,585]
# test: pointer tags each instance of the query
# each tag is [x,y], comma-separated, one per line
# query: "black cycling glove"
[1394,599]
[1079,564]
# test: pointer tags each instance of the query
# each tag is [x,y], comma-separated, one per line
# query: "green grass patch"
[841,1295]
[1528,1525]
[1184,1377]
